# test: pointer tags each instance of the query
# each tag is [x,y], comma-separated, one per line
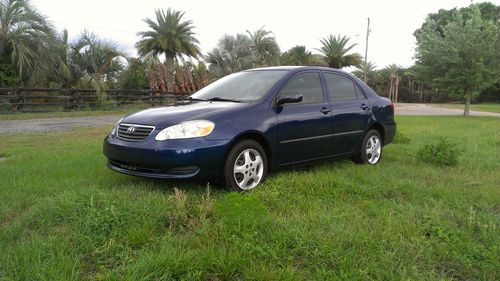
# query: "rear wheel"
[371,149]
[245,166]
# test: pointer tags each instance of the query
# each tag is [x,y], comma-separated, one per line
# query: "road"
[67,123]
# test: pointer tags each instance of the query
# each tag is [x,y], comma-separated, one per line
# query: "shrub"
[443,152]
[401,138]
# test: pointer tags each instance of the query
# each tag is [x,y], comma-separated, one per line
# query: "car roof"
[298,67]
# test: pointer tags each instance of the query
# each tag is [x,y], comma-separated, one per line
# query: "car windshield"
[240,87]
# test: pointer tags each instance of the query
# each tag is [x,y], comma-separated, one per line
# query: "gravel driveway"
[424,109]
[56,124]
[67,123]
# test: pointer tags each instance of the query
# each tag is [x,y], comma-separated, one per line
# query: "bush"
[443,152]
[401,138]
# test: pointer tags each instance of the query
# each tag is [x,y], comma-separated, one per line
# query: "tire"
[366,154]
[245,166]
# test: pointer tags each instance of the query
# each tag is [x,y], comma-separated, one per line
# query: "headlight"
[115,127]
[186,130]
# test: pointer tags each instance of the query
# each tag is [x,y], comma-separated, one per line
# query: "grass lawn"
[488,107]
[64,216]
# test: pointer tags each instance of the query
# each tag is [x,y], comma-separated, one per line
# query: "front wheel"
[245,166]
[371,148]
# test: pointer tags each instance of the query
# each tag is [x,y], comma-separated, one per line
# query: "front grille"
[137,133]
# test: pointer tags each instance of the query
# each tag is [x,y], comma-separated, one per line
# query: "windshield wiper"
[223,99]
[194,99]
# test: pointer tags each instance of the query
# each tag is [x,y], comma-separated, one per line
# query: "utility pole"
[365,78]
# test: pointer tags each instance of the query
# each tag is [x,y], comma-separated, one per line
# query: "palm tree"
[369,67]
[27,41]
[336,49]
[98,60]
[169,35]
[297,55]
[265,47]
[232,54]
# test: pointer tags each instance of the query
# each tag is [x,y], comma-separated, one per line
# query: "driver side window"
[306,84]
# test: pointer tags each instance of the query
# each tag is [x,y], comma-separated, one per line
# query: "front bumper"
[170,159]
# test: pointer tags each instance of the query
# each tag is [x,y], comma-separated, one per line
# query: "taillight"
[392,106]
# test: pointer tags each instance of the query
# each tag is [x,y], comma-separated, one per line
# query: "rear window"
[340,88]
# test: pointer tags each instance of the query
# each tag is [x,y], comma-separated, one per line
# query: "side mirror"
[289,99]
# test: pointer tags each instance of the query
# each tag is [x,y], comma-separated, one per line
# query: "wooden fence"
[39,100]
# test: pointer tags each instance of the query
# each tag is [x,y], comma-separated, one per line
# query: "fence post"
[151,98]
[20,100]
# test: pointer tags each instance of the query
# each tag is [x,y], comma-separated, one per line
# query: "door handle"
[325,110]
[364,106]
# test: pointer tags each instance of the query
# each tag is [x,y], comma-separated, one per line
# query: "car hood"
[162,117]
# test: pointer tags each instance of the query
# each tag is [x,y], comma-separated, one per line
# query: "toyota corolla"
[245,125]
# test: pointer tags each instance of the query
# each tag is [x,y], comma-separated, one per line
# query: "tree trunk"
[467,103]
[169,64]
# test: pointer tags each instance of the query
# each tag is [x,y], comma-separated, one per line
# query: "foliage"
[98,60]
[8,75]
[297,55]
[243,51]
[463,60]
[201,75]
[264,46]
[443,152]
[335,51]
[170,35]
[232,54]
[489,11]
[28,41]
[370,71]
[400,138]
[134,75]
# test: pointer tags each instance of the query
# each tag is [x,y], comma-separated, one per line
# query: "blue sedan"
[247,124]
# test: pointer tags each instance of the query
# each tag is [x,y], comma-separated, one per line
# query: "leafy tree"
[336,50]
[297,55]
[169,35]
[488,11]
[27,41]
[463,59]
[232,54]
[134,75]
[265,47]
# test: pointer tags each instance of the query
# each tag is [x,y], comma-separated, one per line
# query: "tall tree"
[461,59]
[170,35]
[232,54]
[27,41]
[335,51]
[297,55]
[265,47]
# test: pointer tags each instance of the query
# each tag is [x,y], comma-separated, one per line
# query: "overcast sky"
[293,22]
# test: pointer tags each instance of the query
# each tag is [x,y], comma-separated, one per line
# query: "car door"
[304,128]
[351,112]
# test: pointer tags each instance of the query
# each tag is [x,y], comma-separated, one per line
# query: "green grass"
[487,107]
[64,216]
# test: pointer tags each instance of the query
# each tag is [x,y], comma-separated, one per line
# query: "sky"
[392,22]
